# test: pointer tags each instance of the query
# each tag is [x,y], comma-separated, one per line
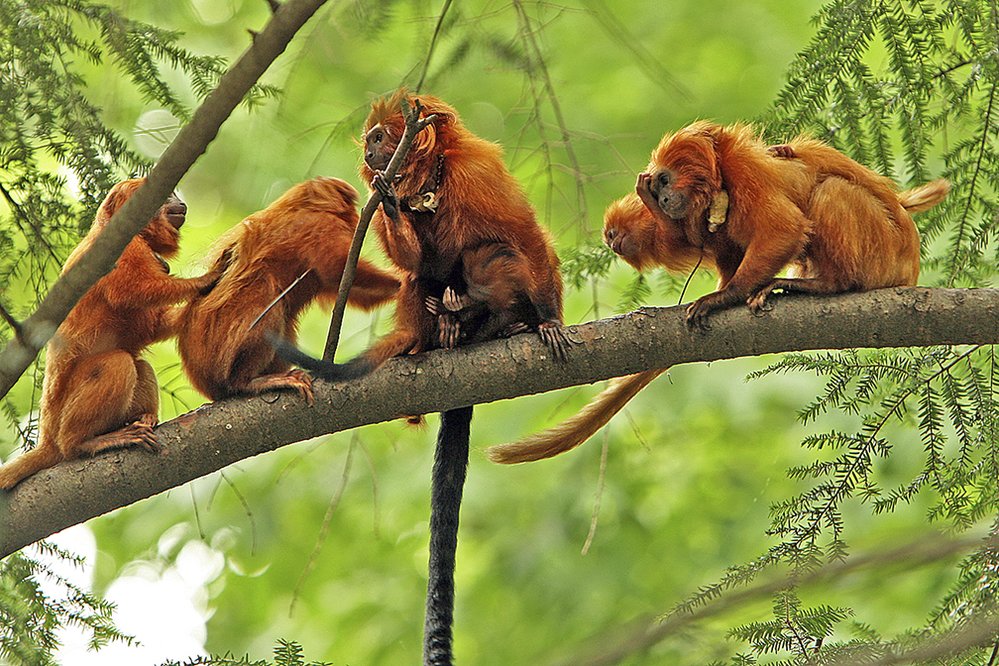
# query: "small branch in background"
[184,150]
[13,323]
[640,636]
[433,44]
[414,125]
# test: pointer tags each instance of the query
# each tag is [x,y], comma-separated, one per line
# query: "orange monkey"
[309,228]
[97,393]
[455,218]
[839,226]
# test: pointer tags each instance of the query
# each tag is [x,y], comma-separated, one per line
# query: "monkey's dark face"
[378,148]
[163,231]
[673,200]
[175,211]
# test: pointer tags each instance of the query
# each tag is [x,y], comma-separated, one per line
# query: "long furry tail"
[448,480]
[925,196]
[26,464]
[571,433]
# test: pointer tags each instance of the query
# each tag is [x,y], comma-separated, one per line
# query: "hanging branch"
[186,148]
[414,125]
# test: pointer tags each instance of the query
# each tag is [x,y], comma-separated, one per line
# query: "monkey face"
[627,232]
[672,200]
[163,231]
[174,211]
[378,148]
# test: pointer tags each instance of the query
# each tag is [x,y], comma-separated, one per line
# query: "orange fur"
[309,227]
[838,226]
[479,203]
[97,393]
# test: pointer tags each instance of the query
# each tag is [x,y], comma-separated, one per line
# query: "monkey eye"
[663,178]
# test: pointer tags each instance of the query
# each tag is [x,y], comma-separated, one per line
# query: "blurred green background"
[691,468]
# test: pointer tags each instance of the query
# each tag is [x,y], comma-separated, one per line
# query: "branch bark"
[225,432]
[185,149]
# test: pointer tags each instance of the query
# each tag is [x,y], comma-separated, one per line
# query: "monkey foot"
[758,303]
[516,328]
[297,380]
[553,334]
[448,331]
[139,433]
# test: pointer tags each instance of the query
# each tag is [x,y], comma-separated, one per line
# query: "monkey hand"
[434,305]
[454,301]
[553,334]
[783,151]
[698,311]
[390,201]
[643,188]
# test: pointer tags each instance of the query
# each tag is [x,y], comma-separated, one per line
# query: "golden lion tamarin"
[97,393]
[838,225]
[309,228]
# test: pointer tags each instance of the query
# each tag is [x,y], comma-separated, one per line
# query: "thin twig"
[278,298]
[414,125]
[433,44]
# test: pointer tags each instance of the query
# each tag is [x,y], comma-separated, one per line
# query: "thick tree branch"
[220,434]
[185,149]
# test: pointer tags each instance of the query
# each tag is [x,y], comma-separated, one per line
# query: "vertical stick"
[414,125]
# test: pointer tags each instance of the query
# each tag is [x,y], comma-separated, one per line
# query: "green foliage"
[930,102]
[30,616]
[286,653]
[906,436]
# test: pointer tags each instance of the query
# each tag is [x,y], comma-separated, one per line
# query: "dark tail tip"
[356,367]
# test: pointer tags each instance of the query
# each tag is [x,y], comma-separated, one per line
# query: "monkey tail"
[448,480]
[577,429]
[26,464]
[925,196]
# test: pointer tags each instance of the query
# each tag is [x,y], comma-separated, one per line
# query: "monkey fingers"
[553,334]
[698,311]
[435,306]
[758,303]
[298,380]
[516,328]
[448,330]
[454,301]
[783,151]
[390,201]
[643,188]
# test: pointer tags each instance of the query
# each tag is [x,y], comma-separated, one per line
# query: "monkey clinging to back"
[839,226]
